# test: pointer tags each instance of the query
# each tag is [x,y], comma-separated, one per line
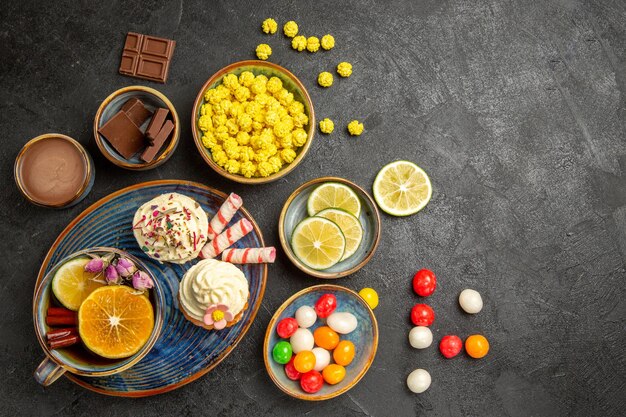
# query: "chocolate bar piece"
[156,123]
[136,111]
[123,135]
[147,57]
[150,152]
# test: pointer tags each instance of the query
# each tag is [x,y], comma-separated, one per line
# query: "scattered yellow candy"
[263,51]
[298,43]
[344,69]
[252,126]
[290,29]
[325,79]
[328,42]
[269,26]
[327,126]
[312,44]
[355,128]
[370,296]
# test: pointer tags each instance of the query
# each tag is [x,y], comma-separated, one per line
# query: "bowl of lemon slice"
[329,227]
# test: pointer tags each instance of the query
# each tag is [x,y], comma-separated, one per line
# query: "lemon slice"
[402,188]
[71,284]
[333,195]
[318,243]
[350,227]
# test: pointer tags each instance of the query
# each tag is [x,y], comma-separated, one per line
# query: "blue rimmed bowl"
[295,210]
[364,337]
[77,359]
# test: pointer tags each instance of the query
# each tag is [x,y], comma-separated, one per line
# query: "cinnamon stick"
[61,320]
[63,342]
[61,333]
[60,311]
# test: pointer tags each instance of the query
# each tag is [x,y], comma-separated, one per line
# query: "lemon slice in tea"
[318,243]
[71,284]
[402,188]
[333,195]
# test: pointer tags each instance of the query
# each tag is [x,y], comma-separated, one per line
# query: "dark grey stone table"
[515,108]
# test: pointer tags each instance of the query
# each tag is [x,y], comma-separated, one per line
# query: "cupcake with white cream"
[171,228]
[213,294]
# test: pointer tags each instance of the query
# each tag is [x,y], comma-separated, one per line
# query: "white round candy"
[301,340]
[420,337]
[471,301]
[342,323]
[306,316]
[418,381]
[322,358]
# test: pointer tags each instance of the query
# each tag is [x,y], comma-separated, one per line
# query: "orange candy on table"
[334,374]
[304,361]
[326,338]
[344,353]
[476,346]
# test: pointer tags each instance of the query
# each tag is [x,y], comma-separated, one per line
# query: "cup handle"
[48,371]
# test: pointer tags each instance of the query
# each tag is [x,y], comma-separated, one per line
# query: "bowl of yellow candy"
[253,122]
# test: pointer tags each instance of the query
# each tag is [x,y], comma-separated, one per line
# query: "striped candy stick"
[224,215]
[226,239]
[249,255]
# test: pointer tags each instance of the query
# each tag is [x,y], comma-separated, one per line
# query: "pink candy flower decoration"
[141,281]
[217,315]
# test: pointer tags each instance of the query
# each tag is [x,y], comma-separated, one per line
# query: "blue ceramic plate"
[364,337]
[295,210]
[183,352]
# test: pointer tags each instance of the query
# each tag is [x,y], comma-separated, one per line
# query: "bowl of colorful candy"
[253,122]
[320,342]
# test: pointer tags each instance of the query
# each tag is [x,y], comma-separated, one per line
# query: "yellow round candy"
[269,26]
[290,29]
[325,79]
[298,43]
[312,44]
[355,128]
[327,126]
[263,51]
[344,69]
[370,296]
[328,42]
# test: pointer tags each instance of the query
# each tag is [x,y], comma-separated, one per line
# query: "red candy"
[312,382]
[424,282]
[422,315]
[325,305]
[290,370]
[450,346]
[286,327]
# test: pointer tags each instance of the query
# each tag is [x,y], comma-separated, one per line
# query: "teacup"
[77,359]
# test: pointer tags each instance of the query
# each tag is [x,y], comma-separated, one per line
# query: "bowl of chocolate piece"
[136,128]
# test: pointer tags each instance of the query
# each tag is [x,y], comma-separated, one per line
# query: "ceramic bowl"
[77,359]
[295,210]
[290,82]
[152,99]
[364,337]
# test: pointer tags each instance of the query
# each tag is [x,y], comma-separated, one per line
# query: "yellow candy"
[298,43]
[290,29]
[325,79]
[312,44]
[344,69]
[370,296]
[263,51]
[246,78]
[327,126]
[328,42]
[269,26]
[288,155]
[274,85]
[299,137]
[355,128]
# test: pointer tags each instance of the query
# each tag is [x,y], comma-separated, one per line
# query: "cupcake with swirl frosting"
[213,294]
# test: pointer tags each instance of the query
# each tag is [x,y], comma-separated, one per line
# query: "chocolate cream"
[53,171]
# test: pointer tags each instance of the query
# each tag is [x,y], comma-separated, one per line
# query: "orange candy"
[476,346]
[344,353]
[334,374]
[326,338]
[304,361]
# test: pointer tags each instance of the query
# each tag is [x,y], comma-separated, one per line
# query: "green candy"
[282,352]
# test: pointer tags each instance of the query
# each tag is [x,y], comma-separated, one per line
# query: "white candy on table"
[342,323]
[306,316]
[471,301]
[301,340]
[420,337]
[418,381]
[322,358]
